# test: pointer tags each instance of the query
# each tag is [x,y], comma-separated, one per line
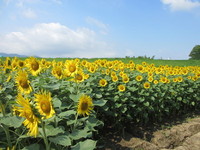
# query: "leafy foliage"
[150,93]
[195,53]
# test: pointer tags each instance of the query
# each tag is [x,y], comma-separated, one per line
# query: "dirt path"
[184,136]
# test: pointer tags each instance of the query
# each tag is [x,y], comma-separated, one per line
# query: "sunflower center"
[28,116]
[35,65]
[45,106]
[79,77]
[84,106]
[21,64]
[24,83]
[58,72]
[9,62]
[103,82]
[72,68]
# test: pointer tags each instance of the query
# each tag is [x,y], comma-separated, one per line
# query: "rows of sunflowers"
[64,104]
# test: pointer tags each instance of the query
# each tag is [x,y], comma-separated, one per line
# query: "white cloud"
[103,27]
[177,5]
[56,40]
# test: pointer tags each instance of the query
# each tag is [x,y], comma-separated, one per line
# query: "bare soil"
[178,135]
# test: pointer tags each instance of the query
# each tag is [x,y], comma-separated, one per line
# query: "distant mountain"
[12,55]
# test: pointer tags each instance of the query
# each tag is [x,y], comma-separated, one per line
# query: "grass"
[157,62]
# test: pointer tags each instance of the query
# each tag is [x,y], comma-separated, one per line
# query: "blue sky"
[166,29]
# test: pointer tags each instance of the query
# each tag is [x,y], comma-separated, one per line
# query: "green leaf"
[56,102]
[118,105]
[98,95]
[146,104]
[74,97]
[190,90]
[70,122]
[141,99]
[51,86]
[153,98]
[67,113]
[99,102]
[32,147]
[132,89]
[93,122]
[51,131]
[9,96]
[193,103]
[78,134]
[12,121]
[132,105]
[85,145]
[179,98]
[71,89]
[63,140]
[124,109]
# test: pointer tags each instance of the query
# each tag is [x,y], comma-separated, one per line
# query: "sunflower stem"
[45,136]
[5,128]
[55,121]
[76,120]
[77,88]
[2,108]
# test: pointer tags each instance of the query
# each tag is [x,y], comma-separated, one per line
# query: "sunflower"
[194,78]
[113,73]
[132,66]
[155,81]
[144,63]
[14,64]
[92,68]
[150,79]
[163,80]
[45,63]
[84,63]
[71,67]
[44,105]
[121,88]
[25,110]
[125,78]
[121,73]
[8,63]
[85,105]
[150,73]
[175,80]
[21,63]
[34,66]
[23,83]
[107,71]
[171,72]
[189,77]
[180,79]
[57,71]
[139,68]
[114,78]
[79,76]
[139,78]
[103,82]
[158,70]
[146,85]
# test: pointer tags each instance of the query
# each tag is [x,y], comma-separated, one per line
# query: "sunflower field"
[65,104]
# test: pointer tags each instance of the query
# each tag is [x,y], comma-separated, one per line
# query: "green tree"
[195,53]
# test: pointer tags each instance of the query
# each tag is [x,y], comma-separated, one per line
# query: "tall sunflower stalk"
[5,128]
[27,109]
